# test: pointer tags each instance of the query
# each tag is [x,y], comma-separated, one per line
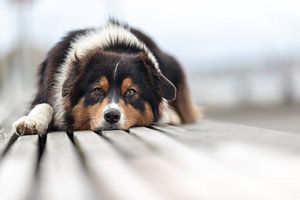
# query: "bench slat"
[276,169]
[17,169]
[224,132]
[62,175]
[214,179]
[112,175]
[190,138]
[162,175]
[3,140]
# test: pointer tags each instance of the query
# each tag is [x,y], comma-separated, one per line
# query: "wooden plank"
[3,140]
[7,139]
[3,131]
[17,169]
[111,174]
[216,181]
[223,132]
[10,112]
[166,178]
[5,109]
[61,172]
[274,168]
[186,136]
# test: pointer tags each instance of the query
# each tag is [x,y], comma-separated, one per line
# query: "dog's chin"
[108,126]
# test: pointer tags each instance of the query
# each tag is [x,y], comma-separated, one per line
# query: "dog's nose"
[112,116]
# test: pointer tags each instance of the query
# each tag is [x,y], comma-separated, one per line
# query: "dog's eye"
[130,93]
[99,91]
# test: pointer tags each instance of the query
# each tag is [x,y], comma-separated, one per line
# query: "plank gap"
[121,151]
[9,143]
[41,148]
[17,169]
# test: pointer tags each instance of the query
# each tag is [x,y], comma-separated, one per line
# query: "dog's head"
[109,90]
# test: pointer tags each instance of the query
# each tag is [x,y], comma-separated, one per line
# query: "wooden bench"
[208,160]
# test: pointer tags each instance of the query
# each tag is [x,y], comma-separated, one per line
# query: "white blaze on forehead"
[116,69]
[102,37]
[112,105]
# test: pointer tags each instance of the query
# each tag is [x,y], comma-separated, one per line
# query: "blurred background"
[242,57]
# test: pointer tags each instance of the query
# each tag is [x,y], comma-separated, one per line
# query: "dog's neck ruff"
[104,37]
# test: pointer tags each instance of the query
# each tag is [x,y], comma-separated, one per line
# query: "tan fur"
[103,83]
[88,117]
[188,111]
[134,117]
[126,84]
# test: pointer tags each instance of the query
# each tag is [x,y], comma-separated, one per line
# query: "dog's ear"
[166,88]
[73,77]
[69,83]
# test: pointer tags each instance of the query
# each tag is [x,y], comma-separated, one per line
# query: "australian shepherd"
[112,77]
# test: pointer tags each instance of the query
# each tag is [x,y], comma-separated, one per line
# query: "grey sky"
[203,30]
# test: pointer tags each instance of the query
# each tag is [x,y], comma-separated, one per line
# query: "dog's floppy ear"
[166,88]
[73,77]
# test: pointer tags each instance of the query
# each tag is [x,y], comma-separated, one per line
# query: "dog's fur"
[113,77]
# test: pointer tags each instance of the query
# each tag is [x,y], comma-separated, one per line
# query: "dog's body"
[113,77]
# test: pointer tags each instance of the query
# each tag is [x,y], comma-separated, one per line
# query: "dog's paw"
[27,126]
[170,116]
[174,118]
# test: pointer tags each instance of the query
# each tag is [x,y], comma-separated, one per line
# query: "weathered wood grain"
[223,132]
[208,160]
[162,175]
[188,137]
[3,140]
[6,111]
[17,169]
[62,175]
[10,111]
[264,163]
[274,168]
[4,133]
[7,140]
[110,172]
[214,179]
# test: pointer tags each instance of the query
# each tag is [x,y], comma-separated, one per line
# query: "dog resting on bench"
[113,77]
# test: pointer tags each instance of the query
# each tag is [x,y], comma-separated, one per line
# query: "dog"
[112,77]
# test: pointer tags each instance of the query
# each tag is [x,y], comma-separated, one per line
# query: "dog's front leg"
[36,122]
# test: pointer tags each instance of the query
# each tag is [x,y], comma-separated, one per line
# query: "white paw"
[170,116]
[174,117]
[27,126]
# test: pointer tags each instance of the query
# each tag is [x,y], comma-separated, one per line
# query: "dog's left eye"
[99,91]
[130,93]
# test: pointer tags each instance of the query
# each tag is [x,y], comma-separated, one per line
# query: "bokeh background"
[242,57]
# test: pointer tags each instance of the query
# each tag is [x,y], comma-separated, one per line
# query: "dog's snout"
[112,116]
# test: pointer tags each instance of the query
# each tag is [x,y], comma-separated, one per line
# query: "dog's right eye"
[99,91]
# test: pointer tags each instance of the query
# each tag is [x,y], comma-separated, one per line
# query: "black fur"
[133,63]
[130,65]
